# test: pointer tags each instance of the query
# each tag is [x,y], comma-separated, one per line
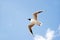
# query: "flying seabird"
[34,20]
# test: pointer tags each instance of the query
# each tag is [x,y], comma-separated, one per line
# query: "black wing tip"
[40,11]
[31,32]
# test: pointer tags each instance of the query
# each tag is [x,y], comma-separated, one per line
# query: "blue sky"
[14,15]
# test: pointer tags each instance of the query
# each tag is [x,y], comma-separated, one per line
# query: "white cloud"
[38,37]
[49,35]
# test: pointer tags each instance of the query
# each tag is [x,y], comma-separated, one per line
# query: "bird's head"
[29,19]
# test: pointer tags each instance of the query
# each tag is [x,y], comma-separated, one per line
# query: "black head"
[29,19]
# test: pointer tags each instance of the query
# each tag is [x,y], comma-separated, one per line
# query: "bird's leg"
[38,23]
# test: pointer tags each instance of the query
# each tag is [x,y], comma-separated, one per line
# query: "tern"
[34,20]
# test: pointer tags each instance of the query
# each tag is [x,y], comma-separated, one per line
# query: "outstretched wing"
[35,14]
[30,27]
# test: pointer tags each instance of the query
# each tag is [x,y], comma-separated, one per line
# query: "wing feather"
[30,27]
[35,14]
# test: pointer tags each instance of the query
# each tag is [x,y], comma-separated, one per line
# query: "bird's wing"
[30,27]
[35,14]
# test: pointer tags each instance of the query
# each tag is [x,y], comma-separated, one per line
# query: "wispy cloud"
[48,36]
[57,32]
[59,27]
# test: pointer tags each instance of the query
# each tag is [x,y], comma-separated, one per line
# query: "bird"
[34,20]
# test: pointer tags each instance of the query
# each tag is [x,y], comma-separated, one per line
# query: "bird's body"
[34,21]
